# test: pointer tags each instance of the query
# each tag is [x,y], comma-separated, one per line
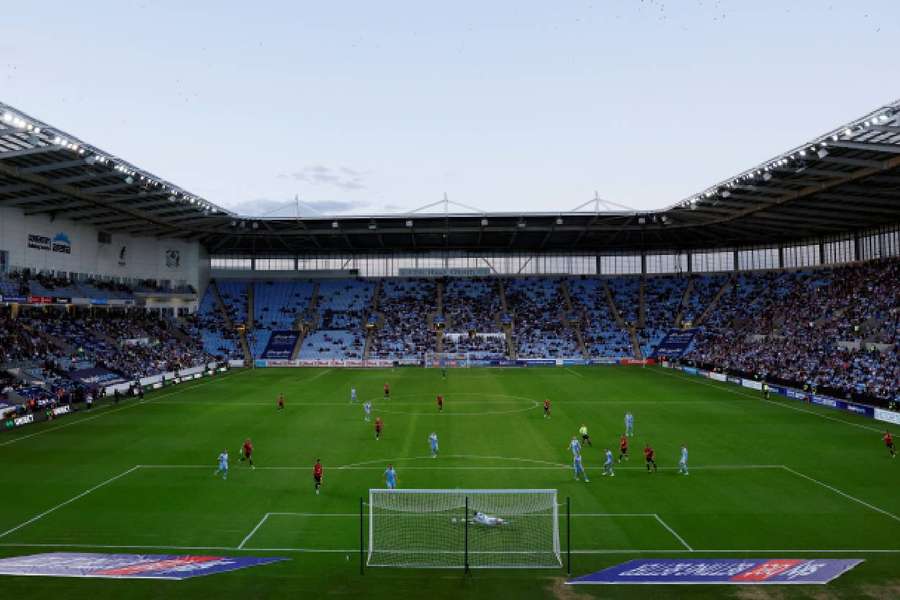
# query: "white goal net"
[463,528]
[449,360]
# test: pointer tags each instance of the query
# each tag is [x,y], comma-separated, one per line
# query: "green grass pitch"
[768,479]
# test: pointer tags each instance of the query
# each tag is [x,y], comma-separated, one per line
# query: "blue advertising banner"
[96,376]
[574,362]
[126,566]
[734,571]
[281,345]
[676,343]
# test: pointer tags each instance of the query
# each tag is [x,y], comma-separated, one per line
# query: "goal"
[447,359]
[440,529]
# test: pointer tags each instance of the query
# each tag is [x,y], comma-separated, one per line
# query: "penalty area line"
[69,501]
[254,530]
[673,532]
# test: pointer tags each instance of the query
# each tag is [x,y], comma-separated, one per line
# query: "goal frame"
[450,359]
[367,548]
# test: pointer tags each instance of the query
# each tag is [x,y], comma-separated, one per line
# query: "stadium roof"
[845,180]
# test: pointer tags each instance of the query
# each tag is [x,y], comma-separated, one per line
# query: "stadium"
[149,335]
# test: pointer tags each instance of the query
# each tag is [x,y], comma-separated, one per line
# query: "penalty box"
[154,506]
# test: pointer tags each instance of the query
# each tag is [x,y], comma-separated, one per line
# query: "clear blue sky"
[371,106]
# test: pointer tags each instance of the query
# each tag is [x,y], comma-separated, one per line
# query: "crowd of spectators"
[626,294]
[540,329]
[477,347]
[27,283]
[209,326]
[662,302]
[341,308]
[835,330]
[472,305]
[406,305]
[703,290]
[19,343]
[277,306]
[130,343]
[601,333]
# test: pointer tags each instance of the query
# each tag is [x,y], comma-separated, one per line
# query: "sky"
[369,107]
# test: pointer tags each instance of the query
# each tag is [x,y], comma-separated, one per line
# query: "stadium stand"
[217,338]
[341,311]
[539,330]
[472,305]
[662,299]
[626,291]
[603,337]
[277,305]
[835,330]
[704,288]
[407,306]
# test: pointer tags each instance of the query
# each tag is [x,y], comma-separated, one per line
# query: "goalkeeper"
[487,520]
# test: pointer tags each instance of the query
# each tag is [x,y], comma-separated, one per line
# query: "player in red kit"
[379,425]
[387,391]
[317,475]
[440,403]
[889,442]
[623,447]
[247,452]
[280,401]
[547,408]
[648,456]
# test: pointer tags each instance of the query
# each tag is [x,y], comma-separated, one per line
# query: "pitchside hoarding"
[721,571]
[126,566]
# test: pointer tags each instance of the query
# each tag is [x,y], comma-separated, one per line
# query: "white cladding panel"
[41,243]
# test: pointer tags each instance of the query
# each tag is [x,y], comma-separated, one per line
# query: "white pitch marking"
[574,372]
[255,529]
[548,467]
[672,531]
[121,408]
[69,501]
[352,550]
[752,397]
[725,551]
[841,493]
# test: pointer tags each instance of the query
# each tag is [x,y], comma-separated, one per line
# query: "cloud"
[267,207]
[343,178]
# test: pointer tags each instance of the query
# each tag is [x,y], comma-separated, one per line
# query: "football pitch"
[768,479]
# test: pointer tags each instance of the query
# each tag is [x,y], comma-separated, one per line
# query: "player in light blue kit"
[579,468]
[223,465]
[367,407]
[608,464]
[575,446]
[433,442]
[353,394]
[629,424]
[682,464]
[390,477]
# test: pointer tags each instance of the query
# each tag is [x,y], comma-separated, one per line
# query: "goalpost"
[446,359]
[458,528]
